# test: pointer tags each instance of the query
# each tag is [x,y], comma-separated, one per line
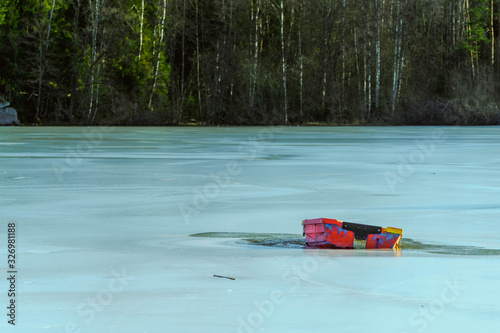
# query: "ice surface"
[104,216]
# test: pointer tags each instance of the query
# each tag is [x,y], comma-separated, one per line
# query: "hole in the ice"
[297,241]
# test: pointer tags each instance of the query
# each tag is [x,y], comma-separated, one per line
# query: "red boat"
[326,233]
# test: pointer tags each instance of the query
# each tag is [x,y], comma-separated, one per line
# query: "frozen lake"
[105,216]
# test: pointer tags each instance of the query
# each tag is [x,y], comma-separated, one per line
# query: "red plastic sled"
[326,233]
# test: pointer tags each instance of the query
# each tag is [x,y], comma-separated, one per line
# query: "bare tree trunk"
[397,52]
[42,59]
[382,10]
[40,78]
[183,49]
[283,62]
[301,63]
[216,105]
[377,55]
[461,18]
[469,34]
[326,35]
[95,73]
[492,31]
[50,22]
[98,84]
[358,72]
[222,57]
[288,45]
[140,33]
[458,27]
[342,86]
[198,80]
[452,23]
[233,44]
[41,69]
[251,56]
[368,49]
[75,71]
[217,77]
[94,8]
[365,72]
[254,72]
[231,13]
[158,51]
[402,45]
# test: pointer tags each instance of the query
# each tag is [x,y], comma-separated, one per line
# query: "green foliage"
[478,27]
[3,9]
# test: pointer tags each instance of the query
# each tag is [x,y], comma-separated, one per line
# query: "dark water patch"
[410,244]
[274,157]
[274,240]
[287,241]
[296,241]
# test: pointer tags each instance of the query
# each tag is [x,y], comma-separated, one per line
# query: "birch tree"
[162,10]
[342,84]
[492,32]
[479,21]
[469,34]
[398,52]
[356,54]
[498,44]
[367,60]
[377,53]
[326,49]
[75,59]
[249,61]
[50,23]
[141,30]
[254,41]
[301,61]
[41,67]
[42,50]
[95,7]
[283,61]
[198,74]
[182,93]
[219,77]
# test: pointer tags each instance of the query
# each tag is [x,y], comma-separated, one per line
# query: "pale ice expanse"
[103,218]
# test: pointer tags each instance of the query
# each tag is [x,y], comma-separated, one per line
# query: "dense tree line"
[251,61]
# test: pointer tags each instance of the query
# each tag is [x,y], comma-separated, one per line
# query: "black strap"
[361,231]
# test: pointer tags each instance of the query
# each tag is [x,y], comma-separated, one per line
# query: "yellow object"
[394,230]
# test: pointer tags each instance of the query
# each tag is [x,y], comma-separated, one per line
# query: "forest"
[251,62]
